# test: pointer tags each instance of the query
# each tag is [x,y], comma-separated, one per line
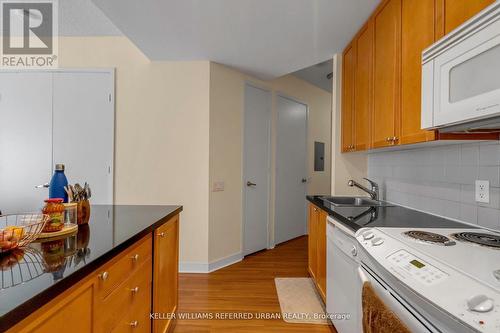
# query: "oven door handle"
[362,276]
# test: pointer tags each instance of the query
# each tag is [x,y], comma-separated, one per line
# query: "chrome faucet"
[373,192]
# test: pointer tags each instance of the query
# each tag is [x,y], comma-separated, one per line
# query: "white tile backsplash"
[441,180]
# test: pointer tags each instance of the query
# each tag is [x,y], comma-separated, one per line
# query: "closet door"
[84,129]
[25,140]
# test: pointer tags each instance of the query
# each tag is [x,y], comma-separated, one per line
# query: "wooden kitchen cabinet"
[363,87]
[387,74]
[348,77]
[381,101]
[457,12]
[165,278]
[317,248]
[60,315]
[418,33]
[120,294]
[312,222]
[321,254]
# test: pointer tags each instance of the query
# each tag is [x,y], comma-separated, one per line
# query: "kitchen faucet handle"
[372,183]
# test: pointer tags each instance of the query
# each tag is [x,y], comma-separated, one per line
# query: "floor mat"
[299,301]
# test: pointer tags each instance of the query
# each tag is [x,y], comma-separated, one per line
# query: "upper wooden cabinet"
[387,74]
[348,67]
[381,82]
[363,87]
[457,12]
[418,32]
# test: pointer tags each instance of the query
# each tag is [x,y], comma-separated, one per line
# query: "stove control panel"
[412,266]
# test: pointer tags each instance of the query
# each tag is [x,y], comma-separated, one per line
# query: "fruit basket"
[19,230]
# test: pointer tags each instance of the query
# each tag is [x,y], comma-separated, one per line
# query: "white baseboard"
[220,263]
[193,267]
[199,267]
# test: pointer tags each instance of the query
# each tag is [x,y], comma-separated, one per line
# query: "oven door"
[462,83]
[401,308]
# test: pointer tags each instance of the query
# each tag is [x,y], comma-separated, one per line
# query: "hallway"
[245,287]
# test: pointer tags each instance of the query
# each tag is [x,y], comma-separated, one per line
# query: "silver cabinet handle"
[161,234]
[134,324]
[251,184]
[104,276]
[135,257]
[134,290]
[46,185]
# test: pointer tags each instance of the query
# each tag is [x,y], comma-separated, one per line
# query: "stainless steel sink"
[354,202]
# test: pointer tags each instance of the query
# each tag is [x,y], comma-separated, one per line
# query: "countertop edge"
[21,312]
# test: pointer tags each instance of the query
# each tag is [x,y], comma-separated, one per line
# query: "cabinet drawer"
[134,290]
[119,269]
[136,318]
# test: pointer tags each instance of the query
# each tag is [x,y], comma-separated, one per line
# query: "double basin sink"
[353,201]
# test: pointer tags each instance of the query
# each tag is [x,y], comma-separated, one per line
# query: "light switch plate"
[483,191]
[218,186]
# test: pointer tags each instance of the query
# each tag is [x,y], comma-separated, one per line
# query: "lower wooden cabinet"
[165,280]
[121,294]
[317,248]
[61,314]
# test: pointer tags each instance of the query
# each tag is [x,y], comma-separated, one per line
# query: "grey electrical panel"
[319,156]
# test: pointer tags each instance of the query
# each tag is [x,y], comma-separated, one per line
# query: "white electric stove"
[450,277]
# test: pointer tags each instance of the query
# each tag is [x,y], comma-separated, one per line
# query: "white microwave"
[461,76]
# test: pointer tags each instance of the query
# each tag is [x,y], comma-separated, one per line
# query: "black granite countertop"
[391,216]
[32,277]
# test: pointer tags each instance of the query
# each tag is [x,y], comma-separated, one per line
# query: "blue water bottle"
[57,184]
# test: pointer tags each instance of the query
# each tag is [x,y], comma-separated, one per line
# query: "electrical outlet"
[218,186]
[483,191]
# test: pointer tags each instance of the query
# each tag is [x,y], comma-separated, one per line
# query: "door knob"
[46,185]
[251,184]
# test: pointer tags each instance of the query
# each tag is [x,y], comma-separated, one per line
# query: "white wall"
[226,112]
[162,131]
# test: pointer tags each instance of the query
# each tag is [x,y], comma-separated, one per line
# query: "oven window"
[476,76]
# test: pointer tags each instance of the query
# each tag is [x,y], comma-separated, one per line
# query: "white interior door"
[256,168]
[291,170]
[84,129]
[25,140]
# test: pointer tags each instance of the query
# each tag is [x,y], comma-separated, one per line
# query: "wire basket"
[20,266]
[19,230]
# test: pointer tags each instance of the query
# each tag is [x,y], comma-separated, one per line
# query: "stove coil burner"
[429,237]
[483,239]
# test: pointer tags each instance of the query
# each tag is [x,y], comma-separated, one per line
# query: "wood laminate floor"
[245,287]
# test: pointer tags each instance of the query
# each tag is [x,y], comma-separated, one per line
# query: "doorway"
[256,168]
[291,169]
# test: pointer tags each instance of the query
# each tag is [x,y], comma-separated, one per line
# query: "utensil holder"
[83,212]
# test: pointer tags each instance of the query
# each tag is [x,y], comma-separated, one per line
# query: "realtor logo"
[29,31]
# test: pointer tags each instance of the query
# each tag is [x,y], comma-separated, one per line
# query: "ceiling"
[265,38]
[316,74]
